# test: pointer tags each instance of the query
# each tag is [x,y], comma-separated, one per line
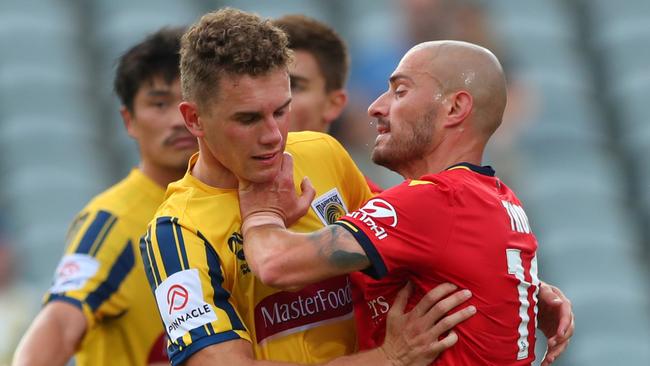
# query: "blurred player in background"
[100,306]
[452,220]
[318,75]
[237,101]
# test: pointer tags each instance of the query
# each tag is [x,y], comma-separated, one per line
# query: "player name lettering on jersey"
[518,218]
[288,312]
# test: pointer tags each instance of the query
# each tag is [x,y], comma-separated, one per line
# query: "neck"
[448,153]
[161,175]
[210,171]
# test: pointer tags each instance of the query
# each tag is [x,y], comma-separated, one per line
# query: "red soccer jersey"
[374,187]
[461,226]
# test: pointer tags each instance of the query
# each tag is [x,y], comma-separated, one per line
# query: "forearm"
[52,338]
[284,259]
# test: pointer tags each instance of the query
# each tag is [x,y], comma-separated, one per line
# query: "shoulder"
[126,199]
[309,141]
[427,187]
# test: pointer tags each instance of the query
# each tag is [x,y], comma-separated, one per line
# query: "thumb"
[307,192]
[243,185]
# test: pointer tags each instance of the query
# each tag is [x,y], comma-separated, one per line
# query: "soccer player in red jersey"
[452,220]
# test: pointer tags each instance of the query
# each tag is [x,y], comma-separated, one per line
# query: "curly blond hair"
[228,41]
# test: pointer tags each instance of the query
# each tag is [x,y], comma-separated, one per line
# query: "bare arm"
[53,337]
[288,260]
[412,338]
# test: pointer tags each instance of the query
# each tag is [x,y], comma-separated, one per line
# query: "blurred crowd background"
[575,142]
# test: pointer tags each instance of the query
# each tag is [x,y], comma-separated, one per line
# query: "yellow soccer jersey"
[101,272]
[205,291]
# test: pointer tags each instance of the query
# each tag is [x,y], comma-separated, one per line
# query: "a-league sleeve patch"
[73,272]
[181,305]
[329,207]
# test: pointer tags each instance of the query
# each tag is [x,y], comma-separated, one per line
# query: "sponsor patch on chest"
[285,312]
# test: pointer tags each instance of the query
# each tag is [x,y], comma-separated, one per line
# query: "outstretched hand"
[555,320]
[277,197]
[418,337]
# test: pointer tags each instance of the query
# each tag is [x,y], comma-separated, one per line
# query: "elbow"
[273,272]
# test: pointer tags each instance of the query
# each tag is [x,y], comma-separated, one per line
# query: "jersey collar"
[484,170]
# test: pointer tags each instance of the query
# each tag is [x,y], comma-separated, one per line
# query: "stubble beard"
[399,152]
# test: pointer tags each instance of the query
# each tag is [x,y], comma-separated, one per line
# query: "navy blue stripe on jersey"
[176,345]
[377,268]
[149,250]
[167,245]
[95,228]
[98,243]
[148,269]
[485,170]
[178,357]
[198,333]
[210,328]
[181,243]
[121,268]
[221,296]
[64,298]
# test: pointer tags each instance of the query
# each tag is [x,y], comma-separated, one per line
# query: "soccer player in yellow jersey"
[100,306]
[237,100]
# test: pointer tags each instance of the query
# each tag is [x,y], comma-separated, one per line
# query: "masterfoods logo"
[181,304]
[288,312]
[377,208]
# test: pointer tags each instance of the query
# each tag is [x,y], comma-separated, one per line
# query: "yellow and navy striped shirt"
[206,293]
[101,273]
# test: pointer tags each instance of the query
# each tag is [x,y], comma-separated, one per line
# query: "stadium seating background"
[576,151]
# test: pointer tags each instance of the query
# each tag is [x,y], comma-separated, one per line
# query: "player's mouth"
[185,142]
[383,126]
[267,158]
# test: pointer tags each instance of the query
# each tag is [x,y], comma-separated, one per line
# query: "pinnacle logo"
[68,270]
[73,272]
[177,298]
[181,304]
[329,207]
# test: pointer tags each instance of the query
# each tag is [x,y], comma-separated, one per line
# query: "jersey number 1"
[516,268]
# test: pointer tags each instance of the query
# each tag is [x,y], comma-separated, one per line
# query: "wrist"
[261,218]
[389,359]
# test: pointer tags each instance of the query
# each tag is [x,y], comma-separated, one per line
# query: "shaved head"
[457,66]
[444,101]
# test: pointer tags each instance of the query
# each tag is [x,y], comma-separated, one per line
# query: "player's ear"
[127,119]
[190,113]
[458,106]
[336,102]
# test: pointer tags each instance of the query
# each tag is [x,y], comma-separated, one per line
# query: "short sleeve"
[191,291]
[402,225]
[98,259]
